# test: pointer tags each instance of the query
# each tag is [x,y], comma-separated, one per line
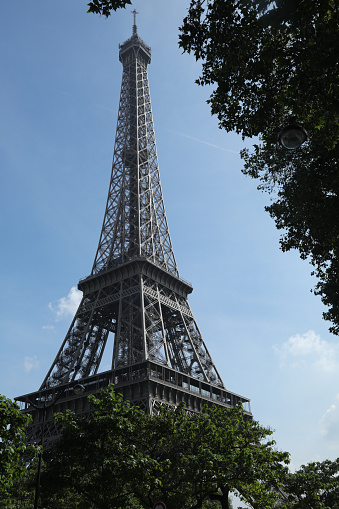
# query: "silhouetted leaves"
[268,63]
[104,7]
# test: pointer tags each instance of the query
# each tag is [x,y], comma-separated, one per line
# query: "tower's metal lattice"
[134,291]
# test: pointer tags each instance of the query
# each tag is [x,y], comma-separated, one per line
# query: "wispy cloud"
[304,349]
[30,363]
[67,306]
[48,327]
[202,141]
[329,424]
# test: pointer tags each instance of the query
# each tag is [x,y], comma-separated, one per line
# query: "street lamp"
[292,136]
[78,389]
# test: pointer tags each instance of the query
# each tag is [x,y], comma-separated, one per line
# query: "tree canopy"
[270,64]
[314,485]
[122,457]
[13,450]
[267,64]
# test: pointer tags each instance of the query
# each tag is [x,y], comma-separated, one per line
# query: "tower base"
[148,385]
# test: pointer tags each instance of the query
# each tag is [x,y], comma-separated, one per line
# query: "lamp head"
[78,389]
[292,136]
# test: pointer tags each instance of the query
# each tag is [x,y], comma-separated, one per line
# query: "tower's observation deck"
[134,48]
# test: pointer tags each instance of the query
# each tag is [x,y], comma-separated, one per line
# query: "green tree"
[264,72]
[21,494]
[14,453]
[121,456]
[270,64]
[314,485]
[210,456]
[96,459]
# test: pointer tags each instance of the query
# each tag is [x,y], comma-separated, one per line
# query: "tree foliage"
[21,494]
[13,451]
[314,485]
[104,7]
[265,66]
[271,63]
[96,458]
[121,457]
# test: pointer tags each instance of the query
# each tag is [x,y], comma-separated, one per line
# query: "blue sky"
[59,94]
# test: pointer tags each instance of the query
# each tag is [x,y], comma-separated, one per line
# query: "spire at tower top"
[134,12]
[134,46]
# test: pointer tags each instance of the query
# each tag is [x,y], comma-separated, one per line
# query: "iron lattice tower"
[134,290]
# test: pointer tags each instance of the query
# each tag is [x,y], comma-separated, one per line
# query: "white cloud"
[329,424]
[67,306]
[48,327]
[31,363]
[309,348]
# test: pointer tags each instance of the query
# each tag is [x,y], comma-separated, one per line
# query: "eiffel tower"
[134,291]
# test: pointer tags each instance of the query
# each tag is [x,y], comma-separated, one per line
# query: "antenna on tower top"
[135,21]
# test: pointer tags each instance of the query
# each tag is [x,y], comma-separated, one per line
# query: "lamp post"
[292,136]
[78,389]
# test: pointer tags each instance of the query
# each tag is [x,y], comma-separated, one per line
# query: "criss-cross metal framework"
[134,290]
